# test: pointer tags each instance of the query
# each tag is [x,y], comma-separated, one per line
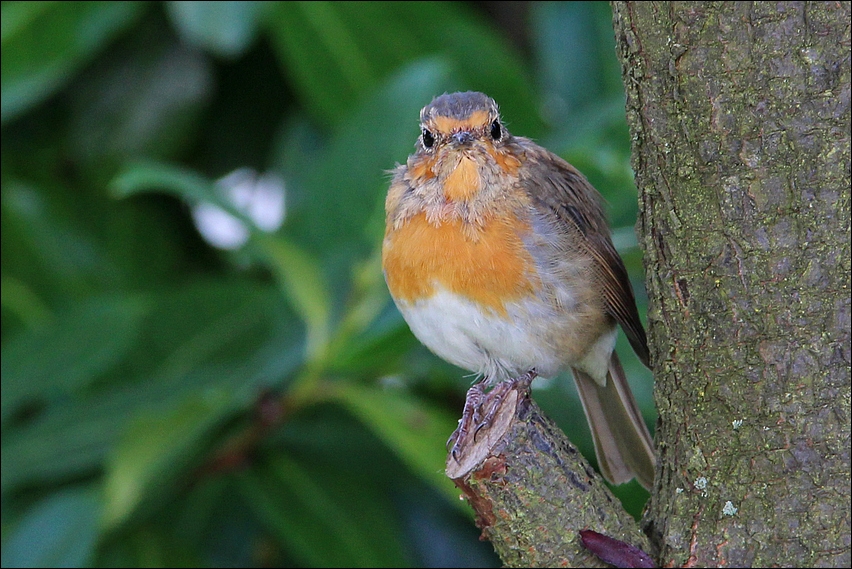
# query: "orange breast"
[489,265]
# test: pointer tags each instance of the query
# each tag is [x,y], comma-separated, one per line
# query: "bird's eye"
[496,131]
[428,139]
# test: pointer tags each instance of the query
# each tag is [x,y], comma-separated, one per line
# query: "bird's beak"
[462,137]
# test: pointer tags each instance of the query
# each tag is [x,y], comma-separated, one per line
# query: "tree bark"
[533,492]
[740,118]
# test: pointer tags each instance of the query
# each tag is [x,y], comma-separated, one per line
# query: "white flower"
[260,198]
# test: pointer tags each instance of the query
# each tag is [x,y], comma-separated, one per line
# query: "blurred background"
[201,364]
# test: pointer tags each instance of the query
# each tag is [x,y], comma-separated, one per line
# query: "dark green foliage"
[168,403]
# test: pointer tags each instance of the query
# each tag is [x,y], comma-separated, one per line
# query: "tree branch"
[533,491]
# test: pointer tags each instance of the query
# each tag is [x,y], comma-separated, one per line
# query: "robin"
[498,255]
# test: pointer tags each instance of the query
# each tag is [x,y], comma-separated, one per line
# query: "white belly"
[495,346]
[500,347]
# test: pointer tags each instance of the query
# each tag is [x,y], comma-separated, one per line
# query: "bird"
[498,255]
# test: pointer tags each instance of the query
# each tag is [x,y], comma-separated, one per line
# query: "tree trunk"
[740,116]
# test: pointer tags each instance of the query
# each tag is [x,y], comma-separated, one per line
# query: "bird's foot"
[477,400]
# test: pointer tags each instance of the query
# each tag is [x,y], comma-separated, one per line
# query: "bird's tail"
[623,444]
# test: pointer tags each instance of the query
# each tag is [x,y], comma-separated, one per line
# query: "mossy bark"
[533,492]
[740,117]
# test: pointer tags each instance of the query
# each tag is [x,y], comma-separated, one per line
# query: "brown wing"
[562,189]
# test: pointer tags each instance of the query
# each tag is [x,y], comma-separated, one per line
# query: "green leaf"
[23,302]
[484,63]
[70,353]
[302,280]
[323,52]
[324,518]
[59,531]
[67,240]
[156,544]
[225,28]
[147,97]
[51,239]
[226,337]
[332,209]
[377,351]
[147,176]
[184,183]
[45,43]
[155,449]
[300,276]
[337,53]
[416,432]
[74,438]
[70,439]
